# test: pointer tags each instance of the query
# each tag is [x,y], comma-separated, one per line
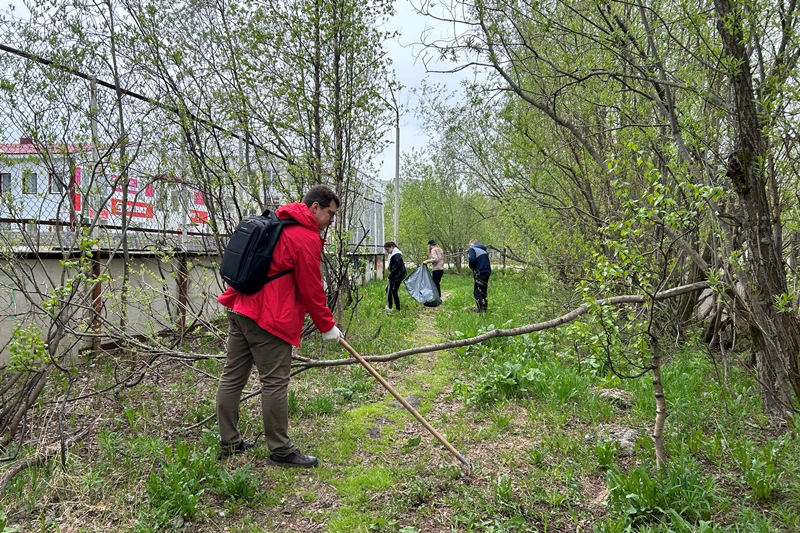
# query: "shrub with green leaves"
[27,350]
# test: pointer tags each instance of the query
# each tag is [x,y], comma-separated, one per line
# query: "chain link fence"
[115,202]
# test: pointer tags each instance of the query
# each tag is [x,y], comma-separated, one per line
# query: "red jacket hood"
[281,305]
[301,213]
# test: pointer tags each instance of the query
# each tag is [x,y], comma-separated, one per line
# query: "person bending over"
[263,327]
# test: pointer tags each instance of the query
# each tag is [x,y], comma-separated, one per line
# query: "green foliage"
[515,368]
[355,386]
[760,466]
[643,498]
[294,402]
[5,527]
[606,453]
[175,489]
[319,404]
[27,350]
[241,486]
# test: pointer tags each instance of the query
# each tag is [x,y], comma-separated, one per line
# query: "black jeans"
[391,294]
[480,290]
[437,277]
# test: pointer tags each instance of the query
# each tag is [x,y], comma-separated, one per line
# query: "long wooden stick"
[405,404]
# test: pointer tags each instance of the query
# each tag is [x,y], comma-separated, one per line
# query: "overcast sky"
[410,71]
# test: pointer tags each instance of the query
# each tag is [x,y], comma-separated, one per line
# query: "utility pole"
[396,166]
[397,175]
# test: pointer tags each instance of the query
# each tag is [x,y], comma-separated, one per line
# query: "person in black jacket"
[397,273]
[481,270]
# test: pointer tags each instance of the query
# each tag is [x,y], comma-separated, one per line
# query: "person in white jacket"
[436,262]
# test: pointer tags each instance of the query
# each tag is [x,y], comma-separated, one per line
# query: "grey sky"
[410,70]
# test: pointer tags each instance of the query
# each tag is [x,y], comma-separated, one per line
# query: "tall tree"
[702,92]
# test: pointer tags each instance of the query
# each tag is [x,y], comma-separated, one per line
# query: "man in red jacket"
[263,327]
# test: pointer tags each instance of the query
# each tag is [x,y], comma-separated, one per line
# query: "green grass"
[524,410]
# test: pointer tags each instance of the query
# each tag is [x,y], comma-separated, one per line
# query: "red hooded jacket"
[281,305]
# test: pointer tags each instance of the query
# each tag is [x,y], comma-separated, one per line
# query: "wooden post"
[183,290]
[97,303]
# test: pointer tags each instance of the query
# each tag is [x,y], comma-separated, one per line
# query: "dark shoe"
[294,459]
[226,450]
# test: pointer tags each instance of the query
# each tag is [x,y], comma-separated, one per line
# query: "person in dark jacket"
[397,273]
[481,271]
[263,327]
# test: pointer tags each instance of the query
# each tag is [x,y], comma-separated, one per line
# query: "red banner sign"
[135,209]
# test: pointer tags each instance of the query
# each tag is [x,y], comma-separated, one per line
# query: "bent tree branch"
[530,328]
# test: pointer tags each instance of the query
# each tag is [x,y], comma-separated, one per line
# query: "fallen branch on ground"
[522,330]
[41,458]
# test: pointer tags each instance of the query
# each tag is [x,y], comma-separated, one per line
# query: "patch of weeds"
[294,403]
[562,444]
[356,386]
[5,527]
[416,493]
[412,442]
[93,483]
[241,486]
[789,514]
[606,453]
[536,455]
[29,487]
[642,498]
[143,446]
[500,381]
[758,465]
[503,492]
[175,489]
[695,441]
[517,368]
[593,410]
[751,520]
[319,404]
[501,420]
[200,410]
[497,510]
[109,443]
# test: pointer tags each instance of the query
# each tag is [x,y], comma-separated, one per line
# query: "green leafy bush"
[518,367]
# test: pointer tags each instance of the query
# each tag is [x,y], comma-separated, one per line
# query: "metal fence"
[112,169]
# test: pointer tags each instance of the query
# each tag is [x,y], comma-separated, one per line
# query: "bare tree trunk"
[776,335]
[661,404]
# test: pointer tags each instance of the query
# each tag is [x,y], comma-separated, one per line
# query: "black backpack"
[248,255]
